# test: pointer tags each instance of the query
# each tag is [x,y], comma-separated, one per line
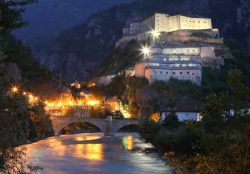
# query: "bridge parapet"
[107,126]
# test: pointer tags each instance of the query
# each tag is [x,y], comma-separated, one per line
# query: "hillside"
[77,52]
[48,17]
[23,69]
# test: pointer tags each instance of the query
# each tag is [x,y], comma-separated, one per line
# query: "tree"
[15,128]
[239,92]
[11,14]
[171,121]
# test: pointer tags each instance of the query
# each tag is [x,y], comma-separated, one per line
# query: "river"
[95,154]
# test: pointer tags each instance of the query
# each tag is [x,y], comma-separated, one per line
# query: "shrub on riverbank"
[220,143]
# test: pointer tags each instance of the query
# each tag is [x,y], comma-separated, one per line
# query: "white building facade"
[183,115]
[182,63]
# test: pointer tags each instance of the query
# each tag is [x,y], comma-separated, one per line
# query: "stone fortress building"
[165,63]
[164,23]
[179,47]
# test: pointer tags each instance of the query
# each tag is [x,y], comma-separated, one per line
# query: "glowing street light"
[14,89]
[145,50]
[93,102]
[155,34]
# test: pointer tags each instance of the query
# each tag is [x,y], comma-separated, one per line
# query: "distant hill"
[79,51]
[48,17]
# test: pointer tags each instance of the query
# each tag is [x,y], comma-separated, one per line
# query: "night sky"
[48,17]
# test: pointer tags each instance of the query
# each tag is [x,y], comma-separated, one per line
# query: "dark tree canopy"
[11,14]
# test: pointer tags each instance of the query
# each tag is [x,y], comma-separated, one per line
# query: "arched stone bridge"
[107,126]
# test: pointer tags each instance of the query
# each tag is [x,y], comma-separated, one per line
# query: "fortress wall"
[161,74]
[156,50]
[207,52]
[194,23]
[135,28]
[182,38]
[185,51]
[161,23]
[173,23]
[148,24]
[142,36]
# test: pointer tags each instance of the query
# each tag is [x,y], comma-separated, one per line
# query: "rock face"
[48,17]
[12,71]
[77,52]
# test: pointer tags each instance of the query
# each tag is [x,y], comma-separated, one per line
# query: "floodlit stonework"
[179,47]
[182,63]
[164,23]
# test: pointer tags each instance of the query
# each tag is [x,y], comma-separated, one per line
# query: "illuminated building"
[159,23]
[182,63]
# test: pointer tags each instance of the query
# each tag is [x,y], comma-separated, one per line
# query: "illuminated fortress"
[163,23]
[178,48]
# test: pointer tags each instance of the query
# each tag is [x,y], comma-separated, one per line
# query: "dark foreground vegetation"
[220,142]
[20,121]
[217,144]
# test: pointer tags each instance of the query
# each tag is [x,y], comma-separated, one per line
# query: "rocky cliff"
[48,17]
[78,51]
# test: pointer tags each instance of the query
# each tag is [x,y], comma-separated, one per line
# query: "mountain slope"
[77,52]
[48,17]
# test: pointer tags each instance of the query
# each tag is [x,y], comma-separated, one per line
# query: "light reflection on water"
[127,142]
[94,154]
[88,151]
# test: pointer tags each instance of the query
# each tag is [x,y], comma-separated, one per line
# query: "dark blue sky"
[49,17]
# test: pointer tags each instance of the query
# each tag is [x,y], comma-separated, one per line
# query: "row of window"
[174,73]
[177,59]
[182,51]
[173,65]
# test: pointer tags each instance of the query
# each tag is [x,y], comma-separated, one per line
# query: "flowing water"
[95,154]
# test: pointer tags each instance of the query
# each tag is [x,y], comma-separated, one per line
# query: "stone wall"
[193,75]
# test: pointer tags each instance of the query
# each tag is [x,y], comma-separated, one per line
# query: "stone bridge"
[108,126]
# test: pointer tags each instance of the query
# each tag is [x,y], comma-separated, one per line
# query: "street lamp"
[14,89]
[145,50]
[155,34]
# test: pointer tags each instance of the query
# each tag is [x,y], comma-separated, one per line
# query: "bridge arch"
[60,123]
[108,127]
[68,123]
[131,124]
[121,124]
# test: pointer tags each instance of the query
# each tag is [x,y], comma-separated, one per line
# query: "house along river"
[95,154]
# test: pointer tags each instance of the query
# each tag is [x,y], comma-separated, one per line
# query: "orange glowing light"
[14,89]
[128,142]
[91,84]
[155,117]
[93,102]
